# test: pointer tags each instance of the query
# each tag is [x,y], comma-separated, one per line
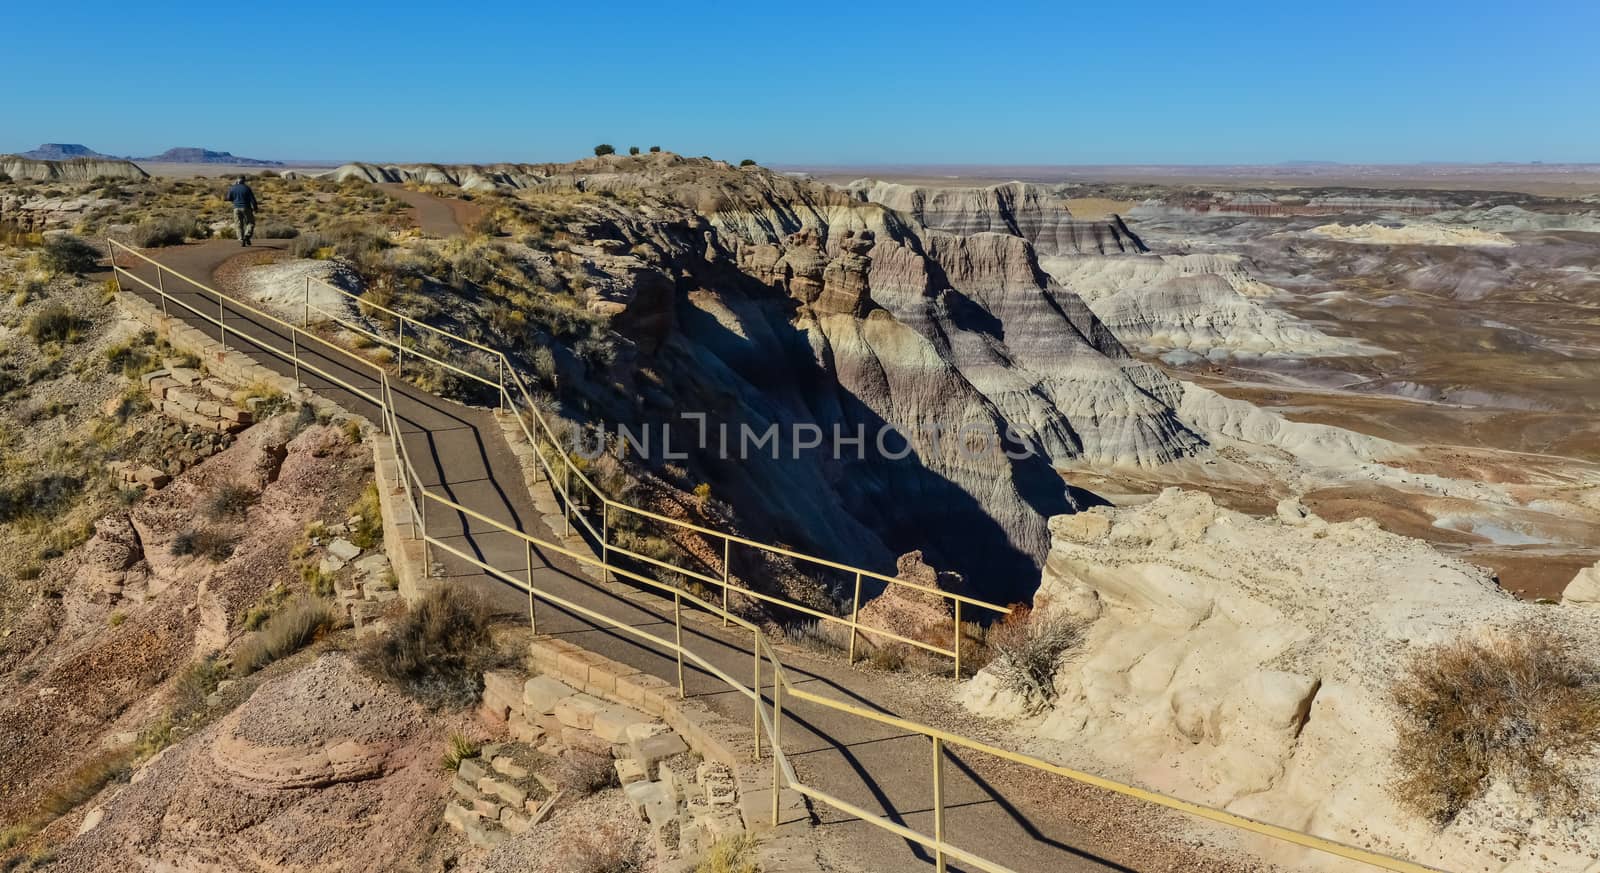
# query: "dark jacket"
[241,196]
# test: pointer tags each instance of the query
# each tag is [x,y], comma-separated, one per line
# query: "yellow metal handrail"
[602,536]
[766,721]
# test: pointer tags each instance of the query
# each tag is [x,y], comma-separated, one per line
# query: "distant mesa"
[206,156]
[63,151]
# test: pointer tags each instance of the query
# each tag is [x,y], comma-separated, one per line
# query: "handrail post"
[501,400]
[777,739]
[727,546]
[605,535]
[855,613]
[161,285]
[938,803]
[755,649]
[294,350]
[566,496]
[308,302]
[677,623]
[222,323]
[400,350]
[533,616]
[958,641]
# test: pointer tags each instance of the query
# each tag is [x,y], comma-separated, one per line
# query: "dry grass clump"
[585,772]
[209,544]
[460,749]
[284,634]
[605,849]
[68,254]
[1521,706]
[54,323]
[1026,647]
[230,501]
[437,652]
[367,531]
[734,854]
[163,231]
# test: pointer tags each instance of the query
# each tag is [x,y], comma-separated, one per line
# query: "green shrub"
[291,630]
[655,149]
[368,510]
[1523,707]
[194,685]
[68,254]
[437,652]
[747,162]
[604,149]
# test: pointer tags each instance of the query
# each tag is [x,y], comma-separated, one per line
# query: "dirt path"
[436,216]
[1020,818]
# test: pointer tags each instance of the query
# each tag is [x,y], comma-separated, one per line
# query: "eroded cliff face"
[73,170]
[1033,212]
[764,299]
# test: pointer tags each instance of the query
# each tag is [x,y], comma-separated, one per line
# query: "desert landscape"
[1168,441]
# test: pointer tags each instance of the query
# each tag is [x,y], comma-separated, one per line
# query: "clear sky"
[816,83]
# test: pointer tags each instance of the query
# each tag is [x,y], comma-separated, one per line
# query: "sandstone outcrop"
[1584,589]
[1244,663]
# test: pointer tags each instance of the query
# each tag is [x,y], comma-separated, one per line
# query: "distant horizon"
[801,165]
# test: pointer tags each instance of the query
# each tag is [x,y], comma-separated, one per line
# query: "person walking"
[244,209]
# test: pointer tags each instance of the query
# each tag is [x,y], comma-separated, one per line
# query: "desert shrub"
[747,162]
[1026,647]
[311,245]
[655,149]
[459,749]
[204,542]
[41,498]
[133,358]
[230,501]
[633,150]
[291,630]
[736,854]
[53,323]
[68,254]
[117,618]
[163,231]
[604,149]
[436,652]
[368,512]
[605,848]
[1521,706]
[277,230]
[193,686]
[585,772]
[83,783]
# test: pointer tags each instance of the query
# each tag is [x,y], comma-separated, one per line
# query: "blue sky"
[815,83]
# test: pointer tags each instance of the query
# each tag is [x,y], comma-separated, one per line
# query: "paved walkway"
[462,452]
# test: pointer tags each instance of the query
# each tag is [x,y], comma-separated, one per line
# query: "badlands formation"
[1246,663]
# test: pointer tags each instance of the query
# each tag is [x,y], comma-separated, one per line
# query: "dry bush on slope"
[438,651]
[1026,646]
[284,634]
[1522,706]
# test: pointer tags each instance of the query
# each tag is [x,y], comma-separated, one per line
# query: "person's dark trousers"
[247,224]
